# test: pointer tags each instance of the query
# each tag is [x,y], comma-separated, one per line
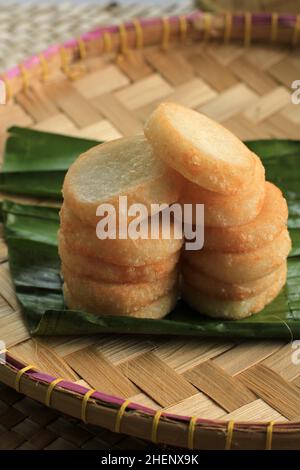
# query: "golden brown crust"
[117,299]
[82,239]
[227,291]
[255,234]
[98,270]
[242,267]
[155,310]
[202,150]
[162,185]
[224,211]
[232,309]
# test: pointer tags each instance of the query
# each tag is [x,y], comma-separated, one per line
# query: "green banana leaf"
[31,235]
[35,162]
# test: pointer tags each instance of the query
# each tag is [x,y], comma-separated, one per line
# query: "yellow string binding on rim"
[85,400]
[274,27]
[120,415]
[227,26]
[19,375]
[166,30]
[296,32]
[191,432]
[81,48]
[183,26]
[70,72]
[107,42]
[64,62]
[248,29]
[123,39]
[156,419]
[44,67]
[229,435]
[139,36]
[24,77]
[207,22]
[50,389]
[269,437]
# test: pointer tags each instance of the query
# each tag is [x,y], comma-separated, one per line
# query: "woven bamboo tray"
[202,394]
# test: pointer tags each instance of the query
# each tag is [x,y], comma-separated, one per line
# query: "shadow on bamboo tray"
[36,162]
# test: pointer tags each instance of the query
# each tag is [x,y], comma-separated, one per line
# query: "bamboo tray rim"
[20,371]
[245,19]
